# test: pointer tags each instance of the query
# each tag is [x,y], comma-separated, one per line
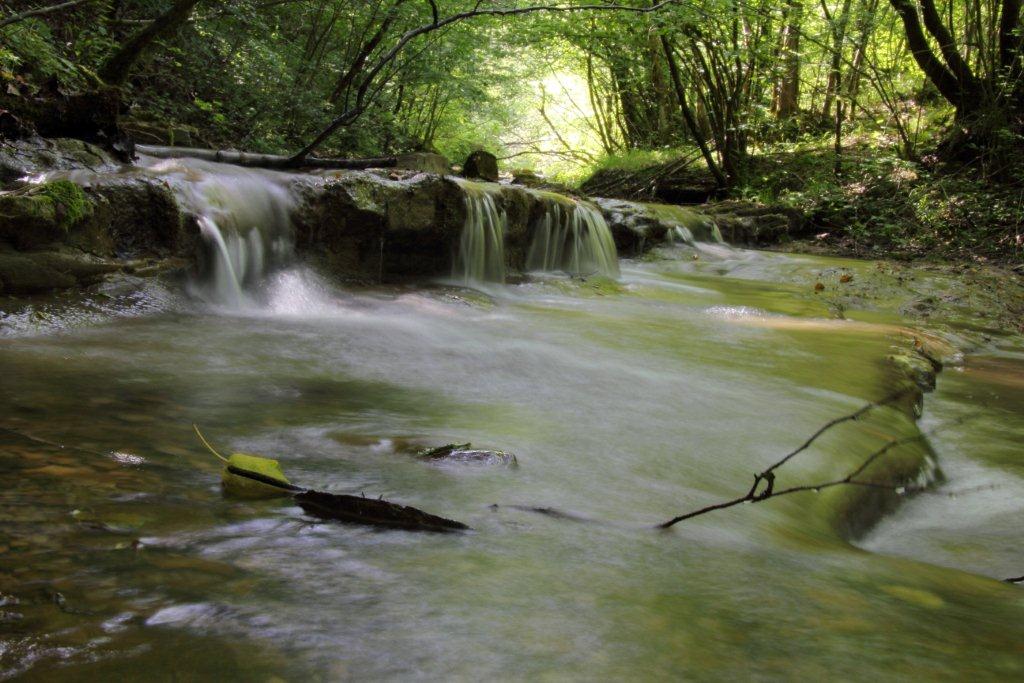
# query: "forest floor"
[878,205]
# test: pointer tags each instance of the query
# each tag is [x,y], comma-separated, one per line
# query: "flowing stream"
[626,402]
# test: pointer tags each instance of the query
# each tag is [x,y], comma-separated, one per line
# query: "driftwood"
[343,508]
[271,161]
[373,511]
[357,509]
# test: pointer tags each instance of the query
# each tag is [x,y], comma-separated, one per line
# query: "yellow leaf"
[246,487]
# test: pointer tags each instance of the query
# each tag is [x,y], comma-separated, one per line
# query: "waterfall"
[481,253]
[244,219]
[573,237]
[686,226]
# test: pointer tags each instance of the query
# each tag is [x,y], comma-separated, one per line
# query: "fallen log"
[373,511]
[270,161]
[253,476]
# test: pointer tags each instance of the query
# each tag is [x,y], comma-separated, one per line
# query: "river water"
[625,401]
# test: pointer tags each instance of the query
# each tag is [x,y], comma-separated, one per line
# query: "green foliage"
[883,204]
[636,159]
[29,47]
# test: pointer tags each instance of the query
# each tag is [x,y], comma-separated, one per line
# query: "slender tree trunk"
[838,30]
[118,67]
[688,117]
[865,27]
[787,93]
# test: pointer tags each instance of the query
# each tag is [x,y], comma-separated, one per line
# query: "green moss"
[71,200]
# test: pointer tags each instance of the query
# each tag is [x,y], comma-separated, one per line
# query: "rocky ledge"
[71,215]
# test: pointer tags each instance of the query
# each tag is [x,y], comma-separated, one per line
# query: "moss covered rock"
[41,214]
[368,228]
[133,217]
[481,164]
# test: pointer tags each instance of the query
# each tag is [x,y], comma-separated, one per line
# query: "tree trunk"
[691,121]
[937,72]
[118,67]
[787,90]
[838,30]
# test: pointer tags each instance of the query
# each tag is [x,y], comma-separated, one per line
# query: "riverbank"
[877,205]
[98,221]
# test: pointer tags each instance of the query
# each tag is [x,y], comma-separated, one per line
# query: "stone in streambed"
[916,368]
[426,162]
[43,271]
[465,454]
[481,164]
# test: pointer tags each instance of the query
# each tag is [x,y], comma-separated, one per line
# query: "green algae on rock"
[40,214]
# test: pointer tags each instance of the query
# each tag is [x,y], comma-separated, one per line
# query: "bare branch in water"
[758,494]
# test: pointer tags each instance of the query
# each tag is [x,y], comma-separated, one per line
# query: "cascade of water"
[244,218]
[481,253]
[687,226]
[573,237]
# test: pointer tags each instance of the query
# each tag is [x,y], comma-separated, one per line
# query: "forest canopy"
[562,87]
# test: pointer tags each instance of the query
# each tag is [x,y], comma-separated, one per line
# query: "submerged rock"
[467,455]
[916,368]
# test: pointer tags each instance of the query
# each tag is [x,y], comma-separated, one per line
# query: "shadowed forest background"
[894,124]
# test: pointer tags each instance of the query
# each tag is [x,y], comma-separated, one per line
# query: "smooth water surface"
[625,402]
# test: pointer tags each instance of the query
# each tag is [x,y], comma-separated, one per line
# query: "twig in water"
[767,477]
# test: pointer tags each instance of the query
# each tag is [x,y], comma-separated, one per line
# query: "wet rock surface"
[637,226]
[752,224]
[366,226]
[482,165]
[465,454]
[31,156]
